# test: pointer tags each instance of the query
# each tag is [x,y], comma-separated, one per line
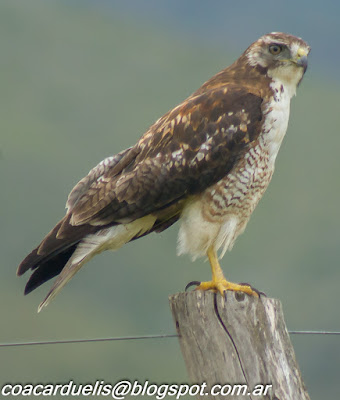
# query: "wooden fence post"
[237,340]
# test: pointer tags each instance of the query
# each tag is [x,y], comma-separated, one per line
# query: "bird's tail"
[68,270]
[111,238]
[54,253]
[58,255]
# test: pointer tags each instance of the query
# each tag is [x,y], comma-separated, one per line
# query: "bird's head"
[281,56]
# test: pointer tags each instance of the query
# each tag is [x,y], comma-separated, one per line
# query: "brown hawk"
[207,163]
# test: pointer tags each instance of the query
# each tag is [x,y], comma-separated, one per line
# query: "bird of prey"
[206,163]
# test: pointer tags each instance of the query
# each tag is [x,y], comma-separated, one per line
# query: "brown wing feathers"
[182,154]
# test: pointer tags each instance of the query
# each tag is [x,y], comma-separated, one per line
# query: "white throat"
[275,126]
[289,77]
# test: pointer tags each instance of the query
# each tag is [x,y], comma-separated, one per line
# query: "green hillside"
[79,84]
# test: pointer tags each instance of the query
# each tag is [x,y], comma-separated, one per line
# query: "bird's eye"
[275,49]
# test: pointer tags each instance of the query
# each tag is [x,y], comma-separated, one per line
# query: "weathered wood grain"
[237,340]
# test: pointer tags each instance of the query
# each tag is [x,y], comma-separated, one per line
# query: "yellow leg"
[218,282]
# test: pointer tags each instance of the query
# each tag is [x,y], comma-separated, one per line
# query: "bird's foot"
[222,285]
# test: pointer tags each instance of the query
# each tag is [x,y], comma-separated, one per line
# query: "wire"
[162,336]
[313,333]
[112,339]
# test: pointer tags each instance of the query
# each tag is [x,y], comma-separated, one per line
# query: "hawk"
[206,163]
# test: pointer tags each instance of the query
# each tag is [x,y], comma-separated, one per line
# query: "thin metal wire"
[162,336]
[112,339]
[313,333]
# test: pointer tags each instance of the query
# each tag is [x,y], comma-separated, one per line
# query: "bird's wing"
[99,170]
[187,150]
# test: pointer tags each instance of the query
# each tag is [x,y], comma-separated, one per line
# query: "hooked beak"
[301,58]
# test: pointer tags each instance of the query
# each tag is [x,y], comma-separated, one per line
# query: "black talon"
[192,283]
[246,284]
[258,292]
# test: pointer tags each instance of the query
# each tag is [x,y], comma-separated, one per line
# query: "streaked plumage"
[207,162]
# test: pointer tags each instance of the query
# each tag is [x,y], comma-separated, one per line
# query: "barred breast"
[221,213]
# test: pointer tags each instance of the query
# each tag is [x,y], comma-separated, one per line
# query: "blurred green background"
[82,80]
